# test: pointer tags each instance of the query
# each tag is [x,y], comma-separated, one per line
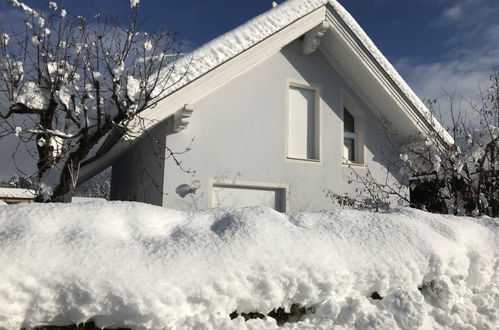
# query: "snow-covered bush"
[462,178]
[19,181]
[70,81]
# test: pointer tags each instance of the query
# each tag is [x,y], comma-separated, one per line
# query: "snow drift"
[145,267]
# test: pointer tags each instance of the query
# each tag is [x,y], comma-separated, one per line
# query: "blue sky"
[435,44]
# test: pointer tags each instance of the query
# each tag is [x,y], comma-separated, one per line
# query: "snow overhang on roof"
[249,44]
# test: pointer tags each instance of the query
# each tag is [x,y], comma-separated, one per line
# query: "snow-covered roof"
[17,193]
[233,43]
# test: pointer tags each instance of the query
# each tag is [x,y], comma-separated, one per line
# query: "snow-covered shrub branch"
[369,193]
[18,181]
[70,80]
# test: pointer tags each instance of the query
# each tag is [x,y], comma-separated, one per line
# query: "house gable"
[380,85]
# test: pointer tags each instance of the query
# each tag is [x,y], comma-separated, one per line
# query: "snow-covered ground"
[145,267]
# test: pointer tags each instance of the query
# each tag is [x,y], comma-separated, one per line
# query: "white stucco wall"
[239,135]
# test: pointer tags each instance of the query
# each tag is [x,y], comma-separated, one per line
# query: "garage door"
[241,196]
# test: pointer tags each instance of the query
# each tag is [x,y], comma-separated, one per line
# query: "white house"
[273,113]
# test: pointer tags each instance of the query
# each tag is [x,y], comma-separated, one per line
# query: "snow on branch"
[134,3]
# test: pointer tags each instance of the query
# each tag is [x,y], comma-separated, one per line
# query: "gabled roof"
[345,45]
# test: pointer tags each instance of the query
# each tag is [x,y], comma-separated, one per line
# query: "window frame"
[316,89]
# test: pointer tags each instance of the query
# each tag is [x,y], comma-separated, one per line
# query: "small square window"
[354,121]
[234,195]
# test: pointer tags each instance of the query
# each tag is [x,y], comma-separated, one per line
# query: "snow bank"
[145,267]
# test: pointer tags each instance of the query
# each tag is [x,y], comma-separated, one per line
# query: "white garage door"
[240,196]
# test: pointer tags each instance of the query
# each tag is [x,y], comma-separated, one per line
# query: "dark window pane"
[350,149]
[348,122]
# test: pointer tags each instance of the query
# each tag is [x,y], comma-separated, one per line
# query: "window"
[241,195]
[303,123]
[353,131]
[349,136]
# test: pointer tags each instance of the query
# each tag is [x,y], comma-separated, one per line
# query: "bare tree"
[69,82]
[460,178]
